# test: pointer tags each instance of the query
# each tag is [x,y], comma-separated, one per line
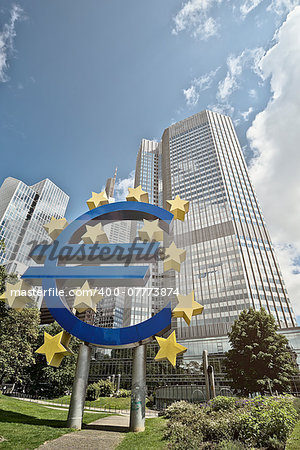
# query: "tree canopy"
[18,334]
[259,358]
[52,381]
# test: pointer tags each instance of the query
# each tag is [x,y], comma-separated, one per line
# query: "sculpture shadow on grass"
[14,417]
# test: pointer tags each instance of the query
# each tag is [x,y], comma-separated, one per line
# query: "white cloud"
[248,6]
[282,6]
[245,115]
[191,95]
[279,7]
[198,85]
[122,185]
[194,17]
[252,93]
[235,67]
[275,137]
[222,108]
[7,36]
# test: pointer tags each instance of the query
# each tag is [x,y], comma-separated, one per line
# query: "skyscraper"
[23,212]
[110,310]
[231,264]
[110,185]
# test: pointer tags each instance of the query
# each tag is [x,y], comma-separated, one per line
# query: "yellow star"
[137,195]
[16,295]
[151,231]
[94,234]
[2,297]
[87,300]
[55,227]
[187,307]
[178,207]
[55,347]
[174,257]
[97,200]
[169,349]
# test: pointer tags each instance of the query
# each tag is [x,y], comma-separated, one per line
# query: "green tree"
[18,334]
[3,277]
[52,381]
[259,358]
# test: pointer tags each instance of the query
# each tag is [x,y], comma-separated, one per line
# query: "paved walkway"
[104,434]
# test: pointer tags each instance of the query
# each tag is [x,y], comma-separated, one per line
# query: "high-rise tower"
[231,264]
[110,310]
[110,185]
[23,212]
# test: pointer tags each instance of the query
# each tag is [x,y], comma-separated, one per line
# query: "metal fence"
[166,395]
[65,404]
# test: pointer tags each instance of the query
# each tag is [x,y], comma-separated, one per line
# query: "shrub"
[219,426]
[123,393]
[106,388]
[203,422]
[230,445]
[182,411]
[92,392]
[181,437]
[103,388]
[222,403]
[269,422]
[262,422]
[150,401]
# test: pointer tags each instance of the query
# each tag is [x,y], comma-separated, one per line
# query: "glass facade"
[110,310]
[188,370]
[23,212]
[141,306]
[231,264]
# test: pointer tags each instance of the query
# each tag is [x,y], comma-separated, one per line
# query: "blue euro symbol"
[101,275]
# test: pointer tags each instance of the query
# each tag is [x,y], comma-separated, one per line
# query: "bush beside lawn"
[223,424]
[231,424]
[25,425]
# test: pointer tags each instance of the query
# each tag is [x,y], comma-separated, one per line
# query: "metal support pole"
[138,389]
[270,387]
[79,387]
[205,366]
[118,382]
[211,377]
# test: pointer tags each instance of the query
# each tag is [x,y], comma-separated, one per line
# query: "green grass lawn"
[102,402]
[293,442]
[26,425]
[297,405]
[151,438]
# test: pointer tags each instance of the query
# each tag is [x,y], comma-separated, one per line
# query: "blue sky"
[81,83]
